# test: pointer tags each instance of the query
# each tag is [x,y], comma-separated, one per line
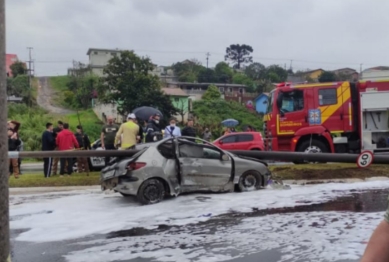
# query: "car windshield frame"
[270,102]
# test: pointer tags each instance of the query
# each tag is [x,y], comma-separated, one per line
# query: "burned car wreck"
[181,165]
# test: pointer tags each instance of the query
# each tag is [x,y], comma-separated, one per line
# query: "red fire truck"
[339,117]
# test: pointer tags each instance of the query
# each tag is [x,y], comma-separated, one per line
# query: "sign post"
[365,159]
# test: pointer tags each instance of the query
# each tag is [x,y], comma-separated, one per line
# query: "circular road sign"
[365,159]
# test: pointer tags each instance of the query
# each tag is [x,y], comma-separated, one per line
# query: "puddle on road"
[357,201]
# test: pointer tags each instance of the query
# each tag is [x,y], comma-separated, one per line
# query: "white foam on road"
[317,236]
[76,216]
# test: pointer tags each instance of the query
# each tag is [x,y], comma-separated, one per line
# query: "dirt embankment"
[45,97]
[329,171]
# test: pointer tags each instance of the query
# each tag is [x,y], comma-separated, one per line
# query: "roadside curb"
[340,180]
[38,190]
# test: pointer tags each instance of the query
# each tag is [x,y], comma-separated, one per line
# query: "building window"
[95,53]
[241,90]
[221,89]
[327,97]
[230,89]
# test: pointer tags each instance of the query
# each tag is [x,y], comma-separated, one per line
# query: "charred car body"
[180,165]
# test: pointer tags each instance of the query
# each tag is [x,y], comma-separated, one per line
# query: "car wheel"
[249,181]
[151,191]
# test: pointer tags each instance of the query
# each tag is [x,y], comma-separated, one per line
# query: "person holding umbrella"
[153,130]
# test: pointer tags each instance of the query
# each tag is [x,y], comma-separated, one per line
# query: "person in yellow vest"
[128,134]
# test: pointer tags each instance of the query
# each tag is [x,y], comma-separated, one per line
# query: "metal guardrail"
[264,155]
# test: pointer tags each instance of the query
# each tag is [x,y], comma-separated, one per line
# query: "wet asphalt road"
[360,201]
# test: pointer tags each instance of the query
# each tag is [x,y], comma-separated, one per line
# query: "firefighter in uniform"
[84,142]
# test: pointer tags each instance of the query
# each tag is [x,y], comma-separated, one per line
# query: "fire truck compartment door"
[331,103]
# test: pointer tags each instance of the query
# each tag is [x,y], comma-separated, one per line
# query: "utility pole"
[360,69]
[208,55]
[290,66]
[4,162]
[29,75]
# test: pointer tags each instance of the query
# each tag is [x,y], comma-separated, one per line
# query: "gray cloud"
[324,33]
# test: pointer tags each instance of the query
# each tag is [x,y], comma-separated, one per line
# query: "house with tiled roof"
[180,100]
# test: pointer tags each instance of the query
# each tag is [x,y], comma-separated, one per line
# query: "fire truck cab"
[338,117]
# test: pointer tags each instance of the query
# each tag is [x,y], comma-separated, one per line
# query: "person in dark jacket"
[13,144]
[153,131]
[189,130]
[84,143]
[48,144]
[56,131]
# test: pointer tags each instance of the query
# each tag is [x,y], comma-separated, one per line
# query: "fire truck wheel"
[314,146]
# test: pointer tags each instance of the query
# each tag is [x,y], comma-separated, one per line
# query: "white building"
[375,73]
[99,58]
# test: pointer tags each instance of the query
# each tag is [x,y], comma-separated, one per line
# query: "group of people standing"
[62,139]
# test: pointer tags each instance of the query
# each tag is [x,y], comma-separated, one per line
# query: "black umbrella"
[145,112]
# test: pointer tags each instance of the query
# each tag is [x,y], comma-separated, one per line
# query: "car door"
[293,106]
[202,167]
[244,141]
[228,142]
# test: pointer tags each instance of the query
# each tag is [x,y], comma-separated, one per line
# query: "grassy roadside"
[328,171]
[59,85]
[90,122]
[37,180]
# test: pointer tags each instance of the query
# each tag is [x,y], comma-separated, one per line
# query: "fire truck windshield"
[270,102]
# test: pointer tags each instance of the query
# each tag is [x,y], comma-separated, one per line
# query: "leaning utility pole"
[29,75]
[4,162]
[208,55]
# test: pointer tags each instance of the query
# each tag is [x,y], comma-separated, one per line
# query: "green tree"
[276,73]
[18,68]
[207,75]
[243,79]
[222,110]
[19,87]
[327,76]
[212,93]
[223,72]
[255,71]
[127,82]
[81,89]
[239,55]
[188,70]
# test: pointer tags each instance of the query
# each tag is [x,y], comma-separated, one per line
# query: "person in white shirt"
[172,130]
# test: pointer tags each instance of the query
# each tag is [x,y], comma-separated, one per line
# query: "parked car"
[241,141]
[178,165]
[95,163]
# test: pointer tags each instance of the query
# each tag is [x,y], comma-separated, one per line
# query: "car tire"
[249,181]
[316,145]
[151,191]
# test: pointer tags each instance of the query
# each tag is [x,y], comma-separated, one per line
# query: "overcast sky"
[326,34]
